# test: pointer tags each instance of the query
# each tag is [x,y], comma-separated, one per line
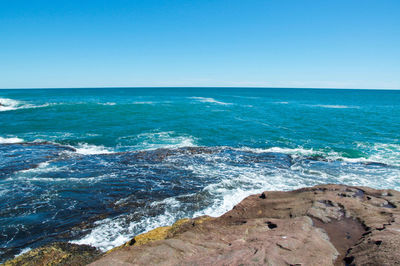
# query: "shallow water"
[98,166]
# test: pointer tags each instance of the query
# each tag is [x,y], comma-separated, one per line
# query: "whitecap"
[90,149]
[23,251]
[335,106]
[42,168]
[157,140]
[10,140]
[10,105]
[300,151]
[291,151]
[148,102]
[209,100]
[387,153]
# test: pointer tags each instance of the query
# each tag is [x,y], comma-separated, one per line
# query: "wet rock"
[321,225]
[310,226]
[57,254]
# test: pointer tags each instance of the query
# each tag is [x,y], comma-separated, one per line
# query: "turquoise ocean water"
[98,166]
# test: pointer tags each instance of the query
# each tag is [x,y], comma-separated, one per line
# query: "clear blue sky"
[282,43]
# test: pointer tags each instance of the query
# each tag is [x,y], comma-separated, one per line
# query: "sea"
[98,166]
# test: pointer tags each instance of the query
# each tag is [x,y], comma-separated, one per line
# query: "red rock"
[322,225]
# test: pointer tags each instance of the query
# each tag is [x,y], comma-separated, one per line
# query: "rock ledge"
[321,225]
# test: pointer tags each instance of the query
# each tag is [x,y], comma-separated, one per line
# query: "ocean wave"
[10,105]
[42,168]
[23,251]
[389,154]
[10,140]
[156,140]
[112,232]
[232,175]
[291,151]
[237,182]
[209,100]
[90,149]
[335,106]
[145,102]
[107,103]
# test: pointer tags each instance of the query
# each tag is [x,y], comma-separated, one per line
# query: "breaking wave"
[90,149]
[10,105]
[156,140]
[209,100]
[10,140]
[335,106]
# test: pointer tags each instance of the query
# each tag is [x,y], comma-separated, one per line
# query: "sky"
[233,43]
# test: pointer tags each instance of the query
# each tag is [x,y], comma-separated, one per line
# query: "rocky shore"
[321,225]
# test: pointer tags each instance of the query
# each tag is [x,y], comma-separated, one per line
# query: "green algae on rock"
[57,254]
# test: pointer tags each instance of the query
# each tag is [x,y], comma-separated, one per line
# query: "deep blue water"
[98,166]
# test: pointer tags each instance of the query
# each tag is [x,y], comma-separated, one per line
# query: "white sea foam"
[145,102]
[388,153]
[10,140]
[209,100]
[238,182]
[298,152]
[232,184]
[23,251]
[42,168]
[335,106]
[109,233]
[108,103]
[157,140]
[90,149]
[291,151]
[10,104]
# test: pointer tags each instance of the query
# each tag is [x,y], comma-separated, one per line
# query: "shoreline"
[325,224]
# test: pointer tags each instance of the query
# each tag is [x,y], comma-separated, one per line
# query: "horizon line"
[228,87]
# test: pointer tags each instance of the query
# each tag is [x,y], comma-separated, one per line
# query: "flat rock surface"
[321,225]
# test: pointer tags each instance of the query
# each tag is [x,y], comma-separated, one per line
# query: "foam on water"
[235,183]
[10,105]
[145,102]
[23,251]
[156,140]
[209,100]
[109,233]
[90,149]
[10,140]
[378,153]
[108,103]
[335,106]
[293,151]
[382,152]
